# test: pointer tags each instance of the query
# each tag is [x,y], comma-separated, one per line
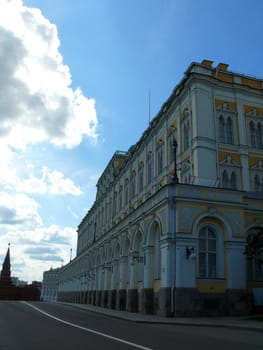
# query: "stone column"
[132,267]
[245,181]
[121,295]
[148,267]
[112,297]
[167,277]
[105,292]
[147,291]
[123,261]
[132,294]
[167,267]
[236,277]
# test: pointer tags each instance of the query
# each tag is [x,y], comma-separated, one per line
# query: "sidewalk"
[229,322]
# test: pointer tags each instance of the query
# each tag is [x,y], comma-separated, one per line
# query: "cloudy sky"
[74,86]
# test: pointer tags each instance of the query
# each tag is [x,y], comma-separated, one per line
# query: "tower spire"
[6,268]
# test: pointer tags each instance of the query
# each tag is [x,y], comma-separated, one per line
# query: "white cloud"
[18,210]
[51,182]
[34,251]
[58,184]
[36,101]
[37,104]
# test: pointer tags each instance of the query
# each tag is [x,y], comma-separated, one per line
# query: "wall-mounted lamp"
[139,259]
[108,267]
[190,252]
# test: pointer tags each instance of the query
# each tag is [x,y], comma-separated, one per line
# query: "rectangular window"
[140,180]
[133,182]
[114,206]
[207,263]
[149,170]
[171,151]
[160,160]
[126,193]
[120,199]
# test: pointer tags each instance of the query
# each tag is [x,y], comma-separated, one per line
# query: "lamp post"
[175,177]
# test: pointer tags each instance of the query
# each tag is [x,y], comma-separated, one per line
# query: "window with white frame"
[140,177]
[110,209]
[126,192]
[133,184]
[149,168]
[221,129]
[171,139]
[120,198]
[114,206]
[233,181]
[254,257]
[226,130]
[171,150]
[229,131]
[207,255]
[252,131]
[259,136]
[102,216]
[160,156]
[106,212]
[186,135]
[257,183]
[256,134]
[229,179]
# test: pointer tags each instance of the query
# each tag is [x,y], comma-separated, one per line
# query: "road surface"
[42,326]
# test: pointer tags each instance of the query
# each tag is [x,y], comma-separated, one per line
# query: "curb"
[255,328]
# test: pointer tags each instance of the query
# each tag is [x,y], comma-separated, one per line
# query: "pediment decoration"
[225,107]
[228,160]
[254,113]
[257,165]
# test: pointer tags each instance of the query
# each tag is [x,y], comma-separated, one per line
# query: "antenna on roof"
[149,105]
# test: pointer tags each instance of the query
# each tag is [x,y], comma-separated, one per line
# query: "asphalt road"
[26,326]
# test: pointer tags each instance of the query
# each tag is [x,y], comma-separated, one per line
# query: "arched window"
[140,177]
[160,156]
[221,129]
[171,151]
[229,131]
[225,179]
[133,186]
[257,183]
[126,192]
[149,168]
[233,181]
[259,142]
[252,131]
[186,135]
[207,257]
[120,198]
[114,206]
[254,257]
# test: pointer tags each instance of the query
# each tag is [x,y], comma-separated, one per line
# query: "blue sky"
[75,89]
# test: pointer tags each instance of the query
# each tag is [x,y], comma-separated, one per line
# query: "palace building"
[168,230]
